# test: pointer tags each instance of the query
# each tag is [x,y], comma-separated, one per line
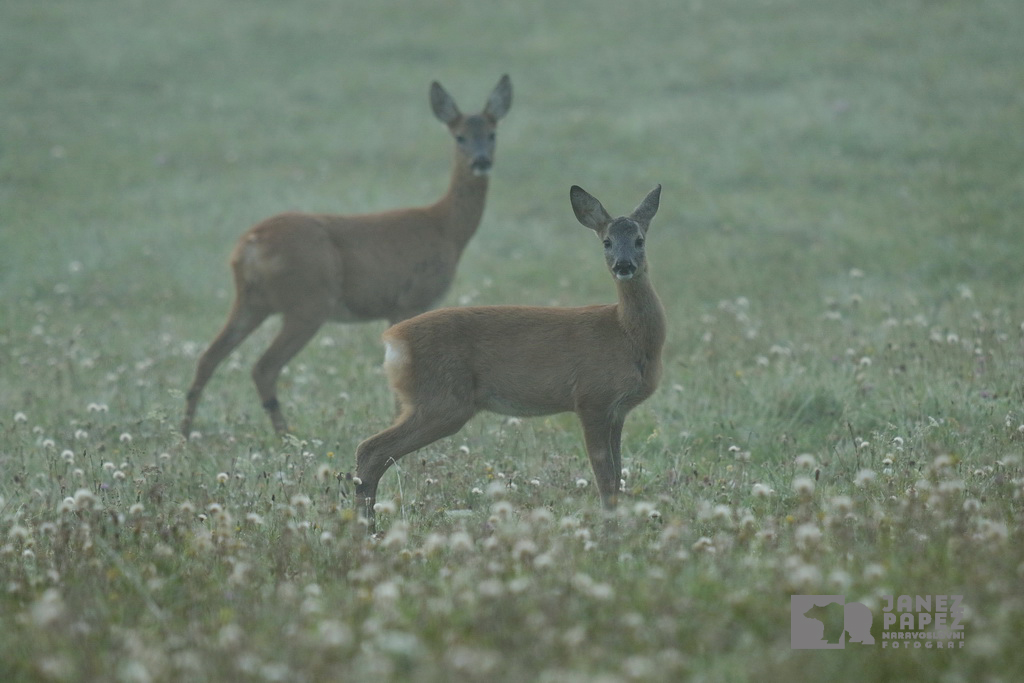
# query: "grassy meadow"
[842,411]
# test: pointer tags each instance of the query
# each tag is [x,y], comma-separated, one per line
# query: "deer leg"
[295,333]
[242,320]
[601,434]
[413,430]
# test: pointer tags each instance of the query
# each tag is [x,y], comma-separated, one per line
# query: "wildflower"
[48,609]
[803,486]
[761,491]
[805,461]
[20,417]
[136,509]
[460,542]
[254,519]
[582,483]
[396,537]
[333,634]
[722,513]
[808,536]
[385,507]
[300,501]
[323,473]
[84,499]
[67,456]
[842,504]
[703,545]
[81,434]
[805,576]
[864,478]
[125,437]
[524,549]
[873,572]
[222,478]
[643,509]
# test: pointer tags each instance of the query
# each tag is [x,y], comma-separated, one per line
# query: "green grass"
[838,250]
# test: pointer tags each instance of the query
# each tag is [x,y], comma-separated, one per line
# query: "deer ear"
[648,207]
[500,99]
[588,210]
[443,105]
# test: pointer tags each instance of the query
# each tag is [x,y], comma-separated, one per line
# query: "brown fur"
[596,361]
[311,268]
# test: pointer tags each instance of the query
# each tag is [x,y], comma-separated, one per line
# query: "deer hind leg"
[296,331]
[602,434]
[414,429]
[243,319]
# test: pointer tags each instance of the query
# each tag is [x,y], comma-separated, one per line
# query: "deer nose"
[480,165]
[624,269]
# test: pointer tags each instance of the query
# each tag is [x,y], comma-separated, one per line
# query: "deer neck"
[641,316]
[459,211]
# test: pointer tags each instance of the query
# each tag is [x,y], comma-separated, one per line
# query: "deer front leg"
[602,434]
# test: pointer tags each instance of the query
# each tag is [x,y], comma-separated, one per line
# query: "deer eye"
[607,244]
[461,139]
[639,242]
[491,137]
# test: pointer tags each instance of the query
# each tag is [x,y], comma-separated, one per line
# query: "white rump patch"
[394,354]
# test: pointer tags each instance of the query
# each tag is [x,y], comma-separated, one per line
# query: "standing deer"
[312,268]
[596,361]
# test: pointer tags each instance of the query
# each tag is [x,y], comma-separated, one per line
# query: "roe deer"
[312,268]
[596,361]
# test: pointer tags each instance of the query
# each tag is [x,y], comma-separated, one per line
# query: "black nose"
[623,268]
[480,165]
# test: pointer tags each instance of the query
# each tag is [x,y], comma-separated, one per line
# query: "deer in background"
[599,362]
[311,268]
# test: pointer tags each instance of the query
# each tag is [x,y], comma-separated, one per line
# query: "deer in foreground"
[599,362]
[392,265]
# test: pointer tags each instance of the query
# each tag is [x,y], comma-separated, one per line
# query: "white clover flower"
[721,513]
[808,536]
[397,536]
[524,549]
[84,499]
[643,508]
[803,486]
[582,483]
[460,542]
[502,510]
[864,478]
[703,545]
[222,478]
[842,504]
[804,575]
[385,507]
[873,572]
